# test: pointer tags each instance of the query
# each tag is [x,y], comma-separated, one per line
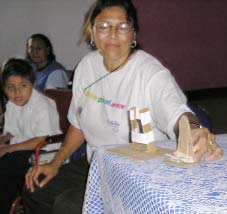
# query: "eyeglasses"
[105,27]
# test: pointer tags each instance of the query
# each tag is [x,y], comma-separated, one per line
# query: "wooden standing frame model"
[143,145]
[185,152]
[141,130]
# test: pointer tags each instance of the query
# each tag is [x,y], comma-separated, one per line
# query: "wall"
[60,20]
[189,37]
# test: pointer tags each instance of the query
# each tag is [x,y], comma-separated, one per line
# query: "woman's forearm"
[73,140]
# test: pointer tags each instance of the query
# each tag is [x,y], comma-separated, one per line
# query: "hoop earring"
[92,43]
[133,45]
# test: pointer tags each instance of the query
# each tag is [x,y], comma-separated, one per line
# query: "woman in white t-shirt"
[107,83]
[49,73]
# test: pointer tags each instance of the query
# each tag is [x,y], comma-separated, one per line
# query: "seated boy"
[30,117]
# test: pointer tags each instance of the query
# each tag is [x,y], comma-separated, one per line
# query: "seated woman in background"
[49,73]
[30,117]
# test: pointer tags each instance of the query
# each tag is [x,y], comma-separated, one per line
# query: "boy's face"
[18,90]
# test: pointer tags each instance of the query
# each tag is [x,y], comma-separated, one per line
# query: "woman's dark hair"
[100,5]
[16,67]
[47,43]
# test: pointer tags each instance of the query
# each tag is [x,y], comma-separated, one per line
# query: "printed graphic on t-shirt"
[113,123]
[102,100]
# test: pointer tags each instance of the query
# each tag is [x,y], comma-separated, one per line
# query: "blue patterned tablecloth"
[119,185]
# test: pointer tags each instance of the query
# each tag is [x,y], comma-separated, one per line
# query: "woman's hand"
[204,144]
[33,174]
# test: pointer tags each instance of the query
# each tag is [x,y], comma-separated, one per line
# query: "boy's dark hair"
[16,67]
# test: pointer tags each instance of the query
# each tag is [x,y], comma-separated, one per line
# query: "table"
[120,185]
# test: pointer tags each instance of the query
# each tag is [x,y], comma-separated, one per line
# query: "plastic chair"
[17,206]
[63,98]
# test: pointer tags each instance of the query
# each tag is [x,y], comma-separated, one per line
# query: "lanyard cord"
[102,77]
[97,81]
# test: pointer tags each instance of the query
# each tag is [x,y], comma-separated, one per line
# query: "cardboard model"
[141,130]
[143,145]
[184,154]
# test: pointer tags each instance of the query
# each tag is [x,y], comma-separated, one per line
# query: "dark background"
[189,37]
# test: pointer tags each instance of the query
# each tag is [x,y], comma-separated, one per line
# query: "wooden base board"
[174,162]
[150,147]
[130,152]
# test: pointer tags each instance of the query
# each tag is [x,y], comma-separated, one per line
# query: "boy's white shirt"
[38,117]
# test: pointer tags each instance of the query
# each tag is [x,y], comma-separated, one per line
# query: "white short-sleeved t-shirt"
[38,117]
[102,110]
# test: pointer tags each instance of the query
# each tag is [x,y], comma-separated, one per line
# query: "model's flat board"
[138,155]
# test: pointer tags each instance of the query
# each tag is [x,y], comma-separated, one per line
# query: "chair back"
[62,98]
